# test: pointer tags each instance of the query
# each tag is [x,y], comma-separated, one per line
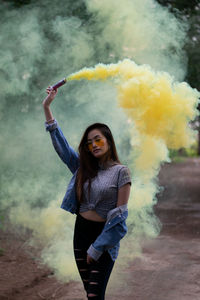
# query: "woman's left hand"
[90,259]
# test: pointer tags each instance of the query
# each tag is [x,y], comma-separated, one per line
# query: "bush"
[178,155]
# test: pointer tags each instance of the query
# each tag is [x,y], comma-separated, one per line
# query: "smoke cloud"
[160,110]
[143,31]
[40,45]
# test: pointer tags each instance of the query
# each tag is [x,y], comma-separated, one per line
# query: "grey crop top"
[104,189]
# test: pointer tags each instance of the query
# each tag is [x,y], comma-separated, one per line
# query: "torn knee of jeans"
[93,282]
[94,271]
[92,295]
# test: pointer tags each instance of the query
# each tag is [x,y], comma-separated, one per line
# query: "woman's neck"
[106,164]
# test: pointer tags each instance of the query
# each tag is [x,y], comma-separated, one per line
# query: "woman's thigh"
[82,266]
[99,275]
[95,276]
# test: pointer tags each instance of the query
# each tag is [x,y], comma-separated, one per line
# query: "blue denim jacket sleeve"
[67,154]
[114,230]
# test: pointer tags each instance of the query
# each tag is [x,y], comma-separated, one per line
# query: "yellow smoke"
[160,110]
[45,223]
[159,107]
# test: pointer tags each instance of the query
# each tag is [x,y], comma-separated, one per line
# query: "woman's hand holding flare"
[47,102]
[51,95]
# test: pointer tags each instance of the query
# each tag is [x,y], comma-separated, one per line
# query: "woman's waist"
[92,215]
[96,210]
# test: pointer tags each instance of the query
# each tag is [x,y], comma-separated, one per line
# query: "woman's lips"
[96,150]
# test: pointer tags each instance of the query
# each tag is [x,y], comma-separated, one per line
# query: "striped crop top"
[104,189]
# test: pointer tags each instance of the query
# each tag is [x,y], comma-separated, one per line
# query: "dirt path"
[169,268]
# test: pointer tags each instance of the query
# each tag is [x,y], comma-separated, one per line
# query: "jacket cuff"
[116,211]
[95,254]
[51,126]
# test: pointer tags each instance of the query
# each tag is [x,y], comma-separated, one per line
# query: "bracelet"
[51,120]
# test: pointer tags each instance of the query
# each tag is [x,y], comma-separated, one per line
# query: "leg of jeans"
[83,267]
[85,233]
[99,276]
[80,254]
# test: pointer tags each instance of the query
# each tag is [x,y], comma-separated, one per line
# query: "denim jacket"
[115,227]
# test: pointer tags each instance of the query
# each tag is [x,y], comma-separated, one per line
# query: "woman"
[98,193]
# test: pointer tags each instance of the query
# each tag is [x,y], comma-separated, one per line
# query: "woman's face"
[97,143]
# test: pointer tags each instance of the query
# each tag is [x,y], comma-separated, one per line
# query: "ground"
[170,265]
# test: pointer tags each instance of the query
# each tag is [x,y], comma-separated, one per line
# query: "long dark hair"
[88,163]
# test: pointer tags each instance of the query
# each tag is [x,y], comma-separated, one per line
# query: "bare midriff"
[92,216]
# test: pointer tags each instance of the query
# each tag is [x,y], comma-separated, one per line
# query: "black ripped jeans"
[95,276]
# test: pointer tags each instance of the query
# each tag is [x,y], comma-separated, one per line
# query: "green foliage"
[179,155]
[2,251]
[1,221]
[18,3]
[181,5]
[1,227]
[192,151]
[190,12]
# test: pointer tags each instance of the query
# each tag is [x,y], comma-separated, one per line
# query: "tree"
[190,11]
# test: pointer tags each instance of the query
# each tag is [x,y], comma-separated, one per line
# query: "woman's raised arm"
[47,102]
[67,154]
